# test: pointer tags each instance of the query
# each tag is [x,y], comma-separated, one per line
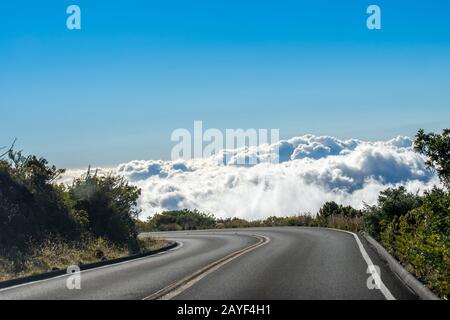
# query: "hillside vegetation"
[45,226]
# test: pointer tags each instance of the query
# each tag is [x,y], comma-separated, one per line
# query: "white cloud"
[312,170]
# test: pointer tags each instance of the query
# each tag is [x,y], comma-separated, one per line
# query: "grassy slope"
[59,255]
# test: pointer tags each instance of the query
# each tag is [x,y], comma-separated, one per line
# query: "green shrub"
[392,203]
[236,223]
[106,206]
[181,220]
[31,206]
[420,239]
[35,211]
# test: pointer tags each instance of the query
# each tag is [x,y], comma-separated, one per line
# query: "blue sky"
[115,90]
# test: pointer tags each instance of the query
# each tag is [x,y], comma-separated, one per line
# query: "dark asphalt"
[297,263]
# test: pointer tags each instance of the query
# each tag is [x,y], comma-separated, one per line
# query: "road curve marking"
[178,287]
[384,290]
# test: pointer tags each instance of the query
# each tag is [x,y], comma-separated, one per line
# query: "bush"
[392,203]
[337,216]
[181,220]
[328,209]
[236,223]
[35,211]
[107,205]
[420,239]
[31,206]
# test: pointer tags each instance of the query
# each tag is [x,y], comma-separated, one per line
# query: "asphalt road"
[293,263]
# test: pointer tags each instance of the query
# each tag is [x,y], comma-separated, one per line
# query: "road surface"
[257,263]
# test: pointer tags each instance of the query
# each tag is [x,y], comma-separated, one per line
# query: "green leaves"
[436,147]
[421,240]
[34,208]
[182,220]
[109,207]
[31,206]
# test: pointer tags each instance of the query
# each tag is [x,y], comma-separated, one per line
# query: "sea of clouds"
[311,170]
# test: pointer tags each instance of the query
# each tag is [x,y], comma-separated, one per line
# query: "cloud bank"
[312,170]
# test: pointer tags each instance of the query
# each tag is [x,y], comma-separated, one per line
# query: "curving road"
[258,263]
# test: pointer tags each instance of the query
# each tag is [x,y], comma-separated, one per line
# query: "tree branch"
[9,150]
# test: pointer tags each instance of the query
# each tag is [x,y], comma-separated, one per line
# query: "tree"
[436,147]
[392,204]
[397,202]
[329,208]
[349,211]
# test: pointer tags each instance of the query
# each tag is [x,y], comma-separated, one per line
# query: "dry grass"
[52,255]
[354,224]
[152,243]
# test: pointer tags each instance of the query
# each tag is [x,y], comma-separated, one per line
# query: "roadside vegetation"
[414,228]
[46,226]
[330,215]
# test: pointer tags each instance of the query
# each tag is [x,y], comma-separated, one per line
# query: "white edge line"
[180,244]
[384,290]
